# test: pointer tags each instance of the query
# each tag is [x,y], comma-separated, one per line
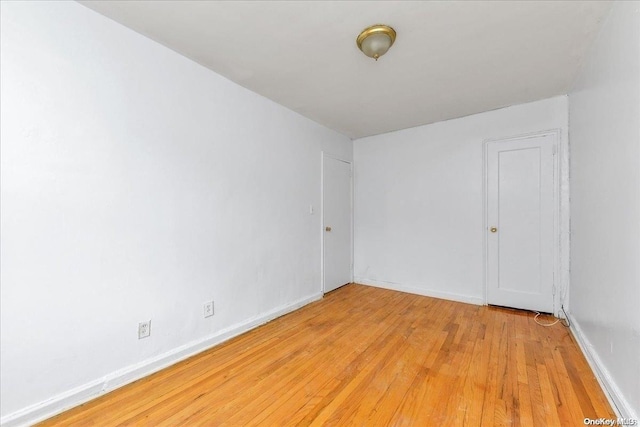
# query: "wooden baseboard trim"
[616,399]
[79,395]
[419,291]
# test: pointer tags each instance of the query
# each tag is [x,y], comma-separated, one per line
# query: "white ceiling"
[450,59]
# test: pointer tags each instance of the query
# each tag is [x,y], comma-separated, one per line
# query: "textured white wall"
[419,200]
[137,185]
[604,116]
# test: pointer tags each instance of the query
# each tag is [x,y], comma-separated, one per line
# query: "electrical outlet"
[144,329]
[208,309]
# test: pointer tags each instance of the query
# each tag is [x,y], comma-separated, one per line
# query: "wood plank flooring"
[369,357]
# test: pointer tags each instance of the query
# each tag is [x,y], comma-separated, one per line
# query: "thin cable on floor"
[566,322]
[538,314]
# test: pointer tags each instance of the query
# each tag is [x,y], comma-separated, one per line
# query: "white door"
[336,214]
[520,222]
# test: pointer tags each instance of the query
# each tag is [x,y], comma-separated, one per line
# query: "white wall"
[604,115]
[137,185]
[419,200]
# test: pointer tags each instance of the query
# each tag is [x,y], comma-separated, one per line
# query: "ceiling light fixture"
[376,40]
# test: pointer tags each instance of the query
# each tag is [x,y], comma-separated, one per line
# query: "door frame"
[558,287]
[322,232]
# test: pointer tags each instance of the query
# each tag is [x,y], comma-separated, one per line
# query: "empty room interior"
[320,213]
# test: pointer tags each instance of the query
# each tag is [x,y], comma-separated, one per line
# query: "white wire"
[538,314]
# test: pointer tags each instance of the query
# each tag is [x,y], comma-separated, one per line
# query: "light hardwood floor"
[370,357]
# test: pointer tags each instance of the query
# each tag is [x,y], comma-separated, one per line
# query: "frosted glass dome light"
[376,40]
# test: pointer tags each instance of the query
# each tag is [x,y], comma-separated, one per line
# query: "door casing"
[555,134]
[322,217]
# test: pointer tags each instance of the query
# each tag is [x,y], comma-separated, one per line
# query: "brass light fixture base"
[376,30]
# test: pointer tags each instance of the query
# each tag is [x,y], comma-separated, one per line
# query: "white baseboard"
[77,396]
[419,291]
[617,400]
